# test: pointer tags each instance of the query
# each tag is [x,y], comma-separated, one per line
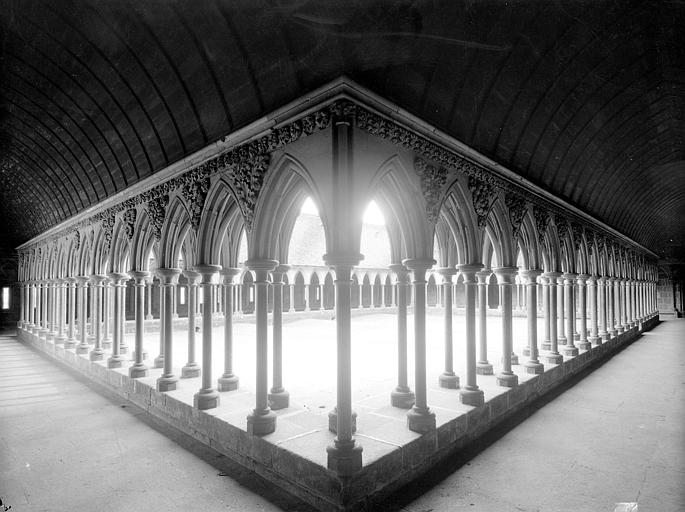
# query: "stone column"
[168,279]
[592,284]
[278,397]
[420,418]
[546,342]
[97,284]
[52,310]
[533,365]
[159,360]
[262,420]
[228,381]
[138,369]
[569,349]
[123,347]
[623,301]
[470,394]
[642,300]
[71,341]
[118,280]
[483,366]
[344,455]
[43,308]
[60,307]
[191,368]
[401,396]
[448,379]
[553,356]
[618,325]
[22,308]
[207,397]
[107,308]
[632,318]
[83,347]
[148,286]
[505,278]
[561,325]
[609,288]
[583,343]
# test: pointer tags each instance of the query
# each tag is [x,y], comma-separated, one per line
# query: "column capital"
[70,280]
[581,278]
[342,259]
[192,276]
[263,265]
[446,272]
[228,273]
[569,276]
[82,280]
[97,279]
[140,276]
[117,277]
[505,275]
[207,272]
[531,275]
[278,273]
[399,269]
[470,272]
[483,275]
[168,276]
[592,279]
[419,264]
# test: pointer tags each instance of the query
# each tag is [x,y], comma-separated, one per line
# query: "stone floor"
[378,423]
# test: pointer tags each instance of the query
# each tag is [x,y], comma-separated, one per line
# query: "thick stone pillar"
[97,285]
[448,379]
[483,366]
[228,381]
[553,356]
[533,365]
[344,455]
[583,343]
[278,397]
[168,278]
[107,313]
[191,368]
[420,418]
[592,293]
[546,343]
[138,369]
[505,278]
[207,397]
[83,347]
[470,394]
[262,420]
[118,282]
[401,396]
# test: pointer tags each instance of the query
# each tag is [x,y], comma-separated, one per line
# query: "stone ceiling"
[584,98]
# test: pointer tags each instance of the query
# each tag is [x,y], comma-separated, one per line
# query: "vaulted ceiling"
[584,98]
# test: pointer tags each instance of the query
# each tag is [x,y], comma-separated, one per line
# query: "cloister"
[163,202]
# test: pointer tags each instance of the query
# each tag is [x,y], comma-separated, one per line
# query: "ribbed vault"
[585,98]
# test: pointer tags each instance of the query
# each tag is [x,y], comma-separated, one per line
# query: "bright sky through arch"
[372,214]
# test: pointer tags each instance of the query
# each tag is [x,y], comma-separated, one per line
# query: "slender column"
[420,418]
[583,343]
[592,284]
[344,455]
[569,349]
[401,396]
[618,326]
[228,380]
[61,309]
[448,379]
[262,420]
[32,306]
[483,366]
[107,308]
[553,356]
[624,304]
[207,397]
[191,368]
[22,308]
[546,343]
[168,278]
[609,288]
[278,397]
[51,310]
[631,301]
[561,325]
[138,369]
[642,300]
[43,310]
[83,347]
[118,280]
[71,341]
[91,332]
[505,278]
[533,365]
[123,347]
[470,394]
[148,286]
[159,360]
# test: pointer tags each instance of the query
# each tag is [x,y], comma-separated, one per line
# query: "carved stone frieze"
[483,197]
[108,229]
[433,179]
[516,205]
[577,234]
[195,193]
[541,217]
[129,220]
[156,210]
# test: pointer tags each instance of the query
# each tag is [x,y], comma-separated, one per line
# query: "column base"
[159,362]
[561,340]
[206,399]
[261,424]
[569,350]
[484,368]
[507,380]
[533,367]
[278,399]
[333,421]
[604,336]
[168,383]
[133,355]
[191,371]
[584,345]
[402,398]
[420,421]
[546,345]
[525,352]
[474,397]
[576,336]
[553,358]
[619,330]
[115,361]
[107,344]
[612,333]
[137,371]
[448,380]
[60,340]
[123,349]
[595,340]
[82,349]
[514,359]
[97,354]
[70,344]
[346,459]
[228,382]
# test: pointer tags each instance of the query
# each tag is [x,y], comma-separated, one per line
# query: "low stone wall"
[309,481]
